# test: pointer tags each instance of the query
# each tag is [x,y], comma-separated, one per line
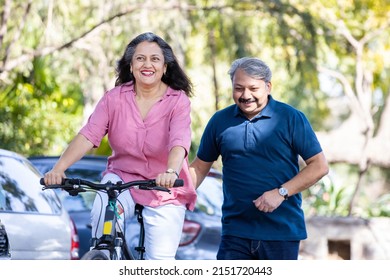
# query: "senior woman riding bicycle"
[146,117]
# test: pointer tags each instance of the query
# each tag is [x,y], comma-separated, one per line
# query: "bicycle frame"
[113,238]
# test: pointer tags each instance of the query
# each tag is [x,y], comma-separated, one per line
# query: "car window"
[89,174]
[20,190]
[81,202]
[43,168]
[89,170]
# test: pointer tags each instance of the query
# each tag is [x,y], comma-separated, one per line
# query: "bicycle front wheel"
[95,255]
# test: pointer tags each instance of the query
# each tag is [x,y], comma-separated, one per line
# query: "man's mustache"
[246,100]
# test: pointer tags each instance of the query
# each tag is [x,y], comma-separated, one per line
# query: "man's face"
[251,95]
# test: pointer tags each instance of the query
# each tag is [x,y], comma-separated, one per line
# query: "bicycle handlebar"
[74,185]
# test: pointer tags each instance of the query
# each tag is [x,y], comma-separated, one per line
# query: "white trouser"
[163,225]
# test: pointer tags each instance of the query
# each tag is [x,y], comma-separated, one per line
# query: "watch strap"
[171,171]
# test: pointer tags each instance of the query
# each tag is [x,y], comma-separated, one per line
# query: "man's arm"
[199,170]
[316,168]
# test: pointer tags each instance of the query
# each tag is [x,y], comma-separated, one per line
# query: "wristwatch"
[283,192]
[171,171]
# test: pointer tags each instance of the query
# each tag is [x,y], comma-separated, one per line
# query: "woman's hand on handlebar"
[54,177]
[166,179]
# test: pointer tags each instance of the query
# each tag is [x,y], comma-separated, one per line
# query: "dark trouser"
[236,248]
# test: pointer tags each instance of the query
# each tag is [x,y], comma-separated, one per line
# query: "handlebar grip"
[42,181]
[178,183]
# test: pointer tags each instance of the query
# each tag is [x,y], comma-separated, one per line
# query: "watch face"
[283,191]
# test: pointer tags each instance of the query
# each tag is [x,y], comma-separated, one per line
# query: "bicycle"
[113,239]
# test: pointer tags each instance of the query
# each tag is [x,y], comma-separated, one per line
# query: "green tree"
[354,60]
[37,112]
[329,60]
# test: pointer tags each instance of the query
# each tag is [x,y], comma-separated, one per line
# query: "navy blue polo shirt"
[259,155]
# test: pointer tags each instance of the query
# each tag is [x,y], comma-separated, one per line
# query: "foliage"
[334,202]
[88,44]
[35,110]
[379,208]
[327,199]
[331,195]
[57,60]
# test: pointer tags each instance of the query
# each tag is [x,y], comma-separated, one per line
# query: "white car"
[36,224]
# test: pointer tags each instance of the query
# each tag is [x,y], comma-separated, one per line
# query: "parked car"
[4,244]
[78,207]
[35,224]
[202,227]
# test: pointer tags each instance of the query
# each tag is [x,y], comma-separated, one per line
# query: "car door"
[37,225]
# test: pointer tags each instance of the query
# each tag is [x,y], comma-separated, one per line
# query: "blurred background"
[330,59]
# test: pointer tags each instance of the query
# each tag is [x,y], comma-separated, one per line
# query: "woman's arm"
[76,149]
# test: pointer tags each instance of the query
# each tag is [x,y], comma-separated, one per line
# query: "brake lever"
[52,187]
[72,190]
[158,188]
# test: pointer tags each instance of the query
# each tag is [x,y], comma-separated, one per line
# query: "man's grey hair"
[254,67]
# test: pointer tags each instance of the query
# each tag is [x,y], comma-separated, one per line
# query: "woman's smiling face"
[148,64]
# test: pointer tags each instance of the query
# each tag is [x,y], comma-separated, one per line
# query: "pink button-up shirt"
[140,147]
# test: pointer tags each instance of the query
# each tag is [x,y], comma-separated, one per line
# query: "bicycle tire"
[95,255]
